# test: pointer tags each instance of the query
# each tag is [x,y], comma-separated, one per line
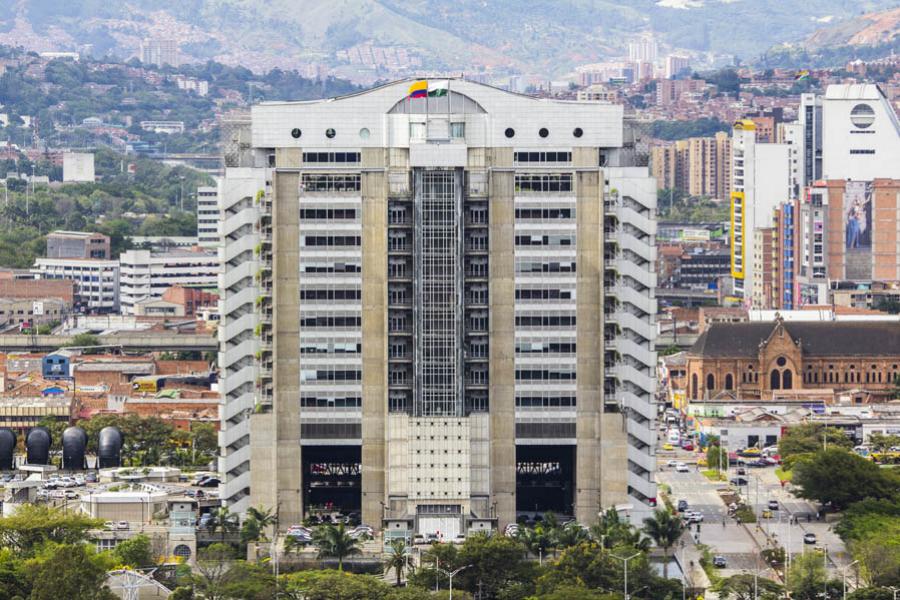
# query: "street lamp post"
[625,562]
[450,575]
[844,573]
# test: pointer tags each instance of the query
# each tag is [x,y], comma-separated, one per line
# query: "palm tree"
[335,542]
[535,539]
[257,521]
[612,530]
[292,544]
[571,534]
[223,521]
[665,529]
[396,558]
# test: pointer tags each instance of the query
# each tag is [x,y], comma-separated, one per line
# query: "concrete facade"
[431,279]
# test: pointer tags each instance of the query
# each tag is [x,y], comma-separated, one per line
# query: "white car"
[672,463]
[682,468]
[122,525]
[692,516]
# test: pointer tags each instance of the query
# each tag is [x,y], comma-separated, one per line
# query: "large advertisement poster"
[858,230]
[858,215]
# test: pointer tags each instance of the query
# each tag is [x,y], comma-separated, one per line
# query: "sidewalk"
[695,576]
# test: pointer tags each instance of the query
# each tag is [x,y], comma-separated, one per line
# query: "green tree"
[248,581]
[14,582]
[612,530]
[807,578]
[335,585]
[210,576]
[743,587]
[879,593]
[497,563]
[69,571]
[334,542]
[664,529]
[35,524]
[576,592]
[714,457]
[135,552]
[224,522]
[811,437]
[840,478]
[881,442]
[84,340]
[397,558]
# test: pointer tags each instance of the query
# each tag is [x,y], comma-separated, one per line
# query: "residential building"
[32,312]
[698,166]
[78,244]
[78,167]
[643,49]
[763,360]
[159,52]
[163,126]
[456,326]
[32,289]
[764,271]
[191,300]
[670,91]
[677,66]
[208,216]
[860,133]
[810,118]
[147,274]
[96,281]
[760,181]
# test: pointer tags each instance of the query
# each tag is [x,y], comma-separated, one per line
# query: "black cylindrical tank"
[7,448]
[110,447]
[37,446]
[74,442]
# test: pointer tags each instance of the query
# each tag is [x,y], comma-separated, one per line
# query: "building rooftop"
[818,338]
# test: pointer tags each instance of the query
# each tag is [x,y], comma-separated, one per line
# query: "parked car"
[739,481]
[682,468]
[693,516]
[211,482]
[91,477]
[689,446]
[809,538]
[682,505]
[109,525]
[741,471]
[122,525]
[672,463]
[773,504]
[719,561]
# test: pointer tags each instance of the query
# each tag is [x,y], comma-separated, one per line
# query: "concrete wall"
[502,374]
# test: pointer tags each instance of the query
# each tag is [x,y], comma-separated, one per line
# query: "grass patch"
[745,514]
[783,475]
[714,475]
[706,556]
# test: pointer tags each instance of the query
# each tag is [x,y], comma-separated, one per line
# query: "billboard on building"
[857,213]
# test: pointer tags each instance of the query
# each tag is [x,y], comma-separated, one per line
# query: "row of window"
[331,157]
[542,157]
[545,213]
[328,321]
[330,348]
[330,375]
[330,294]
[545,321]
[330,183]
[545,347]
[544,294]
[318,402]
[545,240]
[527,266]
[331,240]
[328,213]
[553,400]
[335,267]
[543,182]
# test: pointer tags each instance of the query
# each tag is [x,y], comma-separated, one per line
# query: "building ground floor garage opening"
[332,484]
[545,480]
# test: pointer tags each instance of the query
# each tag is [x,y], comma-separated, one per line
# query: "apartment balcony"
[642,485]
[642,458]
[233,433]
[641,432]
[235,380]
[233,407]
[235,459]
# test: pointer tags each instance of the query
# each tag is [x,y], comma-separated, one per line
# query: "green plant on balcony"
[259,196]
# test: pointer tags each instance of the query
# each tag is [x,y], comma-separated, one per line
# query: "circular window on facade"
[543,132]
[183,551]
[363,134]
[330,133]
[296,133]
[510,132]
[781,361]
[862,116]
[578,132]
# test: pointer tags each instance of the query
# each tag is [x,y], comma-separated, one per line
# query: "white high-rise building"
[146,274]
[860,133]
[761,180]
[643,49]
[438,309]
[208,216]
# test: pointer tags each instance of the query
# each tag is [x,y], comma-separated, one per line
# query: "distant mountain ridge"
[866,30]
[394,36]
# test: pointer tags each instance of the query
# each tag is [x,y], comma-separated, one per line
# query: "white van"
[673,436]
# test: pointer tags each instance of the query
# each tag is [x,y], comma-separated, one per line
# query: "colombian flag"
[801,75]
[419,89]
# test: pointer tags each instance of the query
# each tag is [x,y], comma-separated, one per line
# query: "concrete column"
[502,375]
[589,341]
[286,327]
[374,345]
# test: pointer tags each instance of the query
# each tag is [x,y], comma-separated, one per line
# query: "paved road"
[740,545]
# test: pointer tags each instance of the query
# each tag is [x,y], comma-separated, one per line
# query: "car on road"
[668,446]
[719,561]
[672,463]
[692,516]
[686,445]
[773,504]
[739,481]
[682,505]
[122,525]
[741,471]
[210,482]
[809,538]
[682,468]
[90,477]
